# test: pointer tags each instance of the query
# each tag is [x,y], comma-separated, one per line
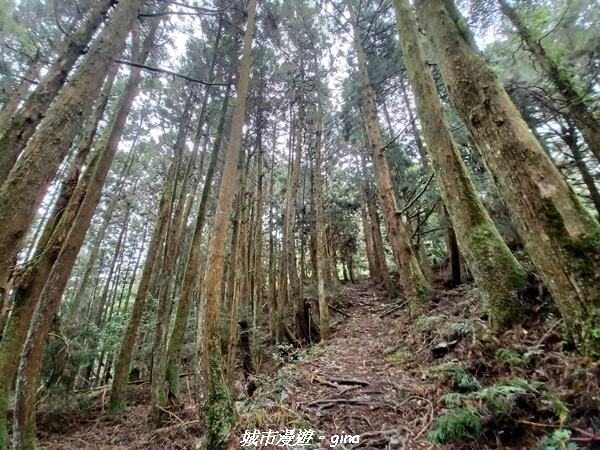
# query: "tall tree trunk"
[275,331]
[559,234]
[158,387]
[368,238]
[192,266]
[257,262]
[451,245]
[14,138]
[416,286]
[239,274]
[106,219]
[569,136]
[24,189]
[579,104]
[324,326]
[379,259]
[495,270]
[294,288]
[118,392]
[32,354]
[215,402]
[31,283]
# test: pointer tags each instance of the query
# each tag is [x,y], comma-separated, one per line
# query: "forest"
[230,224]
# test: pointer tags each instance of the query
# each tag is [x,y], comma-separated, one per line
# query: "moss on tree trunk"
[496,271]
[559,234]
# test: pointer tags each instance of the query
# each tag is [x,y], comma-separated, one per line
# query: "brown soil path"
[349,386]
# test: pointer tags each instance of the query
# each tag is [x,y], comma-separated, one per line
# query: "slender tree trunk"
[294,289]
[451,246]
[569,136]
[559,234]
[495,270]
[275,332]
[24,123]
[192,266]
[158,388]
[28,291]
[32,354]
[416,287]
[118,392]
[324,325]
[580,105]
[31,283]
[24,189]
[257,294]
[368,238]
[379,259]
[215,402]
[238,278]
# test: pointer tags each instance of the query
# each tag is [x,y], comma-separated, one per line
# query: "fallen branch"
[341,312]
[549,332]
[349,381]
[326,403]
[170,413]
[396,308]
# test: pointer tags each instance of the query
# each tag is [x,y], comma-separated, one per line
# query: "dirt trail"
[348,386]
[378,377]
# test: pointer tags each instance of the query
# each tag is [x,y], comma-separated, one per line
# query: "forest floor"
[387,380]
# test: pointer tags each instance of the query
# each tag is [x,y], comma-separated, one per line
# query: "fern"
[458,423]
[510,357]
[534,350]
[464,381]
[453,399]
[558,440]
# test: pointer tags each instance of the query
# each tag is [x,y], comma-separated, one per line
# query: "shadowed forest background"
[375,217]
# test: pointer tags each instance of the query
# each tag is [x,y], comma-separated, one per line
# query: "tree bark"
[24,189]
[416,286]
[559,234]
[192,266]
[215,402]
[15,136]
[495,270]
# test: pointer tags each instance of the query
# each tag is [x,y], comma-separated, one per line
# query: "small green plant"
[558,440]
[509,356]
[282,350]
[534,350]
[464,381]
[427,321]
[457,423]
[498,403]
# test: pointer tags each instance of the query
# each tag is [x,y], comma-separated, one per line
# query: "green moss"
[580,308]
[497,272]
[117,405]
[220,417]
[3,411]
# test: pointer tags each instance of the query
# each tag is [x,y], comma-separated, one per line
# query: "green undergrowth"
[472,410]
[269,406]
[520,388]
